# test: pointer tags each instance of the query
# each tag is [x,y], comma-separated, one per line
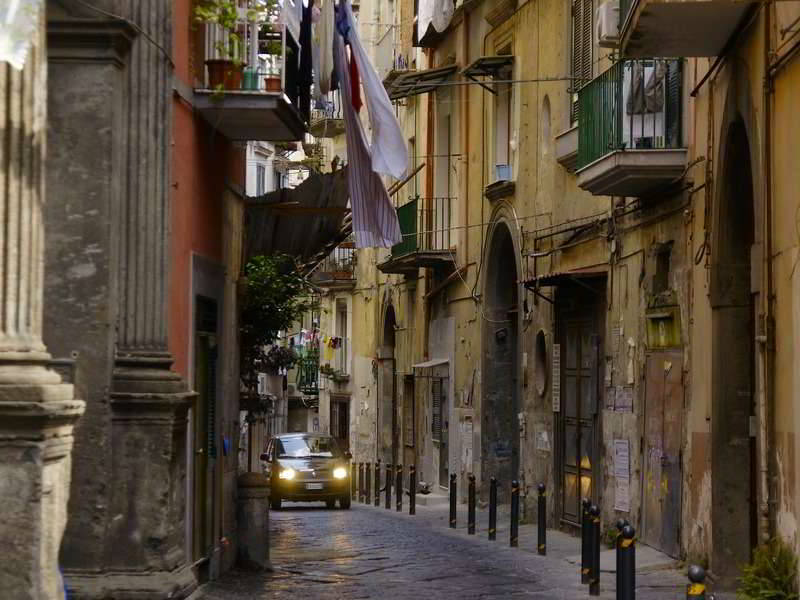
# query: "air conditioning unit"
[607,24]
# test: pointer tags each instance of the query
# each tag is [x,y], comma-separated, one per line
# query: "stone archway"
[500,315]
[734,306]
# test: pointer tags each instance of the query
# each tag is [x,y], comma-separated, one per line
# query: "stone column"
[126,537]
[37,410]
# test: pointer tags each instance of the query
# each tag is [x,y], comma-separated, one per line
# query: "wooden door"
[579,365]
[204,419]
[662,451]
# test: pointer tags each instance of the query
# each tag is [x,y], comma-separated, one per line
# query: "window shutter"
[582,18]
[673,104]
[436,396]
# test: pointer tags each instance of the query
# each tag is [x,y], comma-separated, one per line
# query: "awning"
[300,221]
[488,66]
[431,363]
[562,277]
[418,82]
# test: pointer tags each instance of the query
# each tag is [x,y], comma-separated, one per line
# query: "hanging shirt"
[355,85]
[388,149]
[375,221]
[324,37]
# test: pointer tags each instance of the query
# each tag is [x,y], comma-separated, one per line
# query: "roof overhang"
[488,66]
[413,83]
[557,278]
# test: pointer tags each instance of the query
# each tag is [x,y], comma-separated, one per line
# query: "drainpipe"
[765,338]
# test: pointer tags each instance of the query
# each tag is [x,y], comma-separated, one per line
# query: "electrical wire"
[135,26]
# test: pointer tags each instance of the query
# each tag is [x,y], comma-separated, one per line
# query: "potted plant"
[227,72]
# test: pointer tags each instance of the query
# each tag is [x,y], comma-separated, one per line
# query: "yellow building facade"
[597,287]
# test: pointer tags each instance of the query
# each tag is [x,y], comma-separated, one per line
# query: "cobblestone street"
[370,552]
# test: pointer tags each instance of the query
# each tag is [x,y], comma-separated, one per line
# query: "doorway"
[204,425]
[387,401]
[340,421]
[734,516]
[500,423]
[578,323]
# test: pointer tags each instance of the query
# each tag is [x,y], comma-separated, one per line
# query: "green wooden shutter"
[582,21]
[436,420]
[673,105]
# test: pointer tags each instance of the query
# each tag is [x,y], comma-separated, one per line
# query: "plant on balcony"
[226,73]
[279,357]
[274,296]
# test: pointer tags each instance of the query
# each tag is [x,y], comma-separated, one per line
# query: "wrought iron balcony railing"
[634,105]
[425,225]
[307,373]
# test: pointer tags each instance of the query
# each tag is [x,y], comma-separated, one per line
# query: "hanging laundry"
[316,93]
[438,13]
[355,84]
[388,148]
[375,221]
[323,31]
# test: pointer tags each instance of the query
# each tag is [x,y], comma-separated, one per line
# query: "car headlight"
[287,474]
[340,472]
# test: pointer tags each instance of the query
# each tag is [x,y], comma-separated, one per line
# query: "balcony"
[328,122]
[337,271]
[678,27]
[337,370]
[425,225]
[307,373]
[246,99]
[630,138]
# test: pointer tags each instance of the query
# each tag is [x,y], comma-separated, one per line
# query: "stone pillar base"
[172,585]
[252,518]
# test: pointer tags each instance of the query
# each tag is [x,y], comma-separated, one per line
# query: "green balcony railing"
[308,373]
[634,105]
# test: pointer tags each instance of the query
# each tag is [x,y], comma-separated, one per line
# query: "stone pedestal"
[37,410]
[252,518]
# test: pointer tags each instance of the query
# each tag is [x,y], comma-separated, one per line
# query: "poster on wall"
[556,378]
[622,475]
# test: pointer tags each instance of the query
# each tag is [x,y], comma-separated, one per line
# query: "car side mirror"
[265,456]
[348,455]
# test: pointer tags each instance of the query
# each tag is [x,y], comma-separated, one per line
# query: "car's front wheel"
[330,503]
[275,502]
[344,502]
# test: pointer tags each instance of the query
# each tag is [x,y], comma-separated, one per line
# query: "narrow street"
[368,552]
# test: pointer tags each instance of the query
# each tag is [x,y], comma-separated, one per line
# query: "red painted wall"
[201,159]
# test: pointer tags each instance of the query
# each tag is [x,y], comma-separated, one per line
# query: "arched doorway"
[387,395]
[733,517]
[500,398]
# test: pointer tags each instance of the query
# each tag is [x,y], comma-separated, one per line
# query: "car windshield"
[312,445]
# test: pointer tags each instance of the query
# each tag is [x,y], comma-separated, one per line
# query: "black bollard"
[514,536]
[493,509]
[398,488]
[368,482]
[626,564]
[412,490]
[471,506]
[541,521]
[586,527]
[377,483]
[621,523]
[362,484]
[452,500]
[353,481]
[696,590]
[594,565]
[388,499]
